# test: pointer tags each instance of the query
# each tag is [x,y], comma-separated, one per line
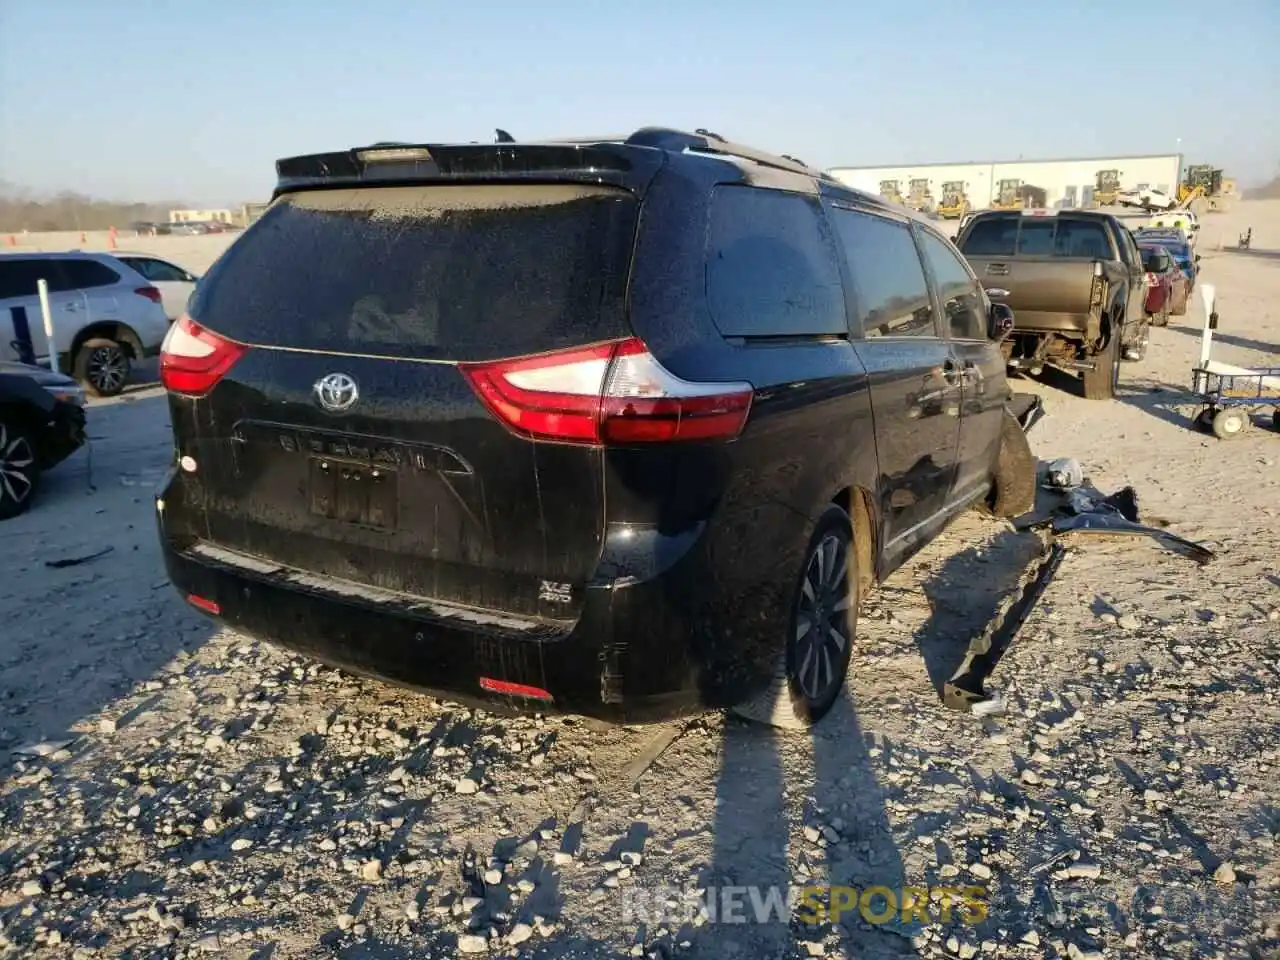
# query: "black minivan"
[622,427]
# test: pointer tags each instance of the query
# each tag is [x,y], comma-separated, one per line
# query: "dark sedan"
[41,424]
[1168,289]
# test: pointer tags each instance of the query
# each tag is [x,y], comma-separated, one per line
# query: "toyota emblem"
[336,392]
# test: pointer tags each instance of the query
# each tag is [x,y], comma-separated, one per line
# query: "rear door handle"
[997,292]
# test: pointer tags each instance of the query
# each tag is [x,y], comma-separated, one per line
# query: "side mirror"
[1197,258]
[999,322]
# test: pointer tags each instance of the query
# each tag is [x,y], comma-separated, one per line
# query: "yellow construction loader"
[1205,189]
[1106,188]
[1016,195]
[955,202]
[889,190]
[919,197]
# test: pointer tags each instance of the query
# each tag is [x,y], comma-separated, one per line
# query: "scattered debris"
[45,748]
[1063,474]
[76,561]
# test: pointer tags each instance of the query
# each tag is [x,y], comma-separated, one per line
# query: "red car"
[1166,284]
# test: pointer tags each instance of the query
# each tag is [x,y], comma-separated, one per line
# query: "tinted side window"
[84,274]
[1124,241]
[963,304]
[992,237]
[771,266]
[893,296]
[18,277]
[12,283]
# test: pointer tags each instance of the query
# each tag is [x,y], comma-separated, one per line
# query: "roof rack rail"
[704,141]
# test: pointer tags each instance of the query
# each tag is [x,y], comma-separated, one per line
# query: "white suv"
[174,283]
[105,315]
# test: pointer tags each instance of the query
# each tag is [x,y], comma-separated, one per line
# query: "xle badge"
[555,592]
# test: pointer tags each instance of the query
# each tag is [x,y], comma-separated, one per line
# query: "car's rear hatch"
[347,441]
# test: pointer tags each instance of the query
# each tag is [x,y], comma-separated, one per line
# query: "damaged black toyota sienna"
[622,427]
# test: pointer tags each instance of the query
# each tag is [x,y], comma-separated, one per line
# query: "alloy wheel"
[108,368]
[821,638]
[17,466]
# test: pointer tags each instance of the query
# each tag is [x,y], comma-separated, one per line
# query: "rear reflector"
[611,393]
[513,689]
[151,293]
[200,603]
[193,359]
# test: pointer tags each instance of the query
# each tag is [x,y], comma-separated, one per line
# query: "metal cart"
[1229,394]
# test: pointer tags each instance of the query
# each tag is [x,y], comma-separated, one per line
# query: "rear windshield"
[1036,236]
[437,272]
[1154,259]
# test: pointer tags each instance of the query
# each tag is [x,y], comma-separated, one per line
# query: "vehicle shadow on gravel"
[1173,404]
[847,843]
[89,613]
[1231,339]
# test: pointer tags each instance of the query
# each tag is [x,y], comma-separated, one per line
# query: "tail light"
[193,359]
[611,393]
[151,293]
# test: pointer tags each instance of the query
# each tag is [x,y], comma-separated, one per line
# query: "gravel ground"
[171,790]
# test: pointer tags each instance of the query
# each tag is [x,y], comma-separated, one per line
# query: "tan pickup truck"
[1075,281]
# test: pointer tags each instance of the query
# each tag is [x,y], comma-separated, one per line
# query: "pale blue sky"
[195,99]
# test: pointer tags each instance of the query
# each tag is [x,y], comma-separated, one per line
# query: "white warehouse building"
[1067,183]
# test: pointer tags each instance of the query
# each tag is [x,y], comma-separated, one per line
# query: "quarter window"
[771,266]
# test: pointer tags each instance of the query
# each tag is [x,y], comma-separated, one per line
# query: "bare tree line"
[67,210]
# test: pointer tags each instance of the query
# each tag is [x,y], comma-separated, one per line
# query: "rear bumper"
[651,645]
[1156,298]
[1073,326]
[65,435]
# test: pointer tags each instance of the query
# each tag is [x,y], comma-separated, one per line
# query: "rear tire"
[814,662]
[1100,382]
[102,366]
[19,472]
[1014,483]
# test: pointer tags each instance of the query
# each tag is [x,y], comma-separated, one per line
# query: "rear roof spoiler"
[599,159]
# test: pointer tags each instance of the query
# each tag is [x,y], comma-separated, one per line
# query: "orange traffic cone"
[12,241]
